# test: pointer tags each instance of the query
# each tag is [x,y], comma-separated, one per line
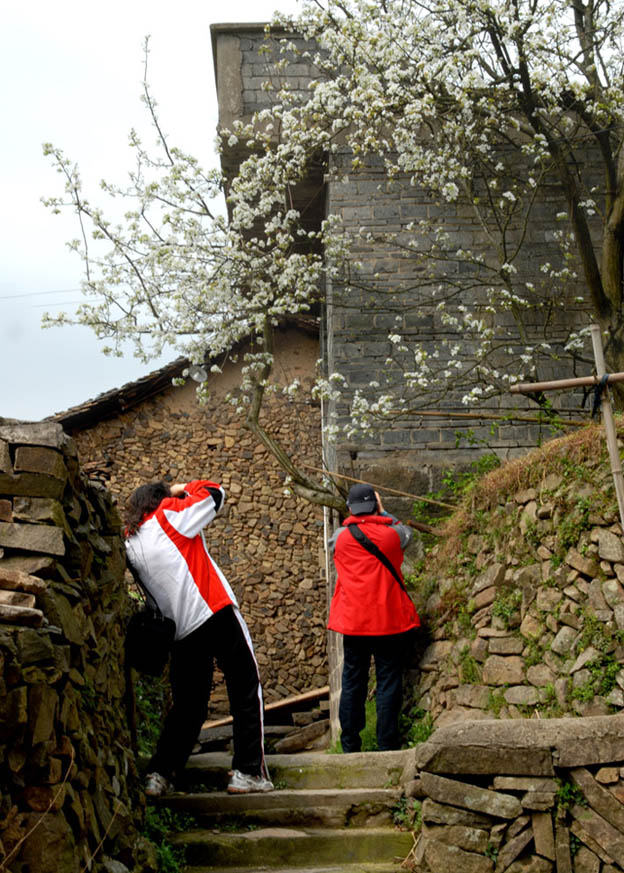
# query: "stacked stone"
[522,797]
[268,543]
[66,763]
[535,626]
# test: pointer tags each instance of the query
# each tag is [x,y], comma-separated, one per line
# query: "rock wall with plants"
[526,612]
[523,796]
[68,797]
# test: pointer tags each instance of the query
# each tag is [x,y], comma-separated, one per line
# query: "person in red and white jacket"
[165,545]
[376,616]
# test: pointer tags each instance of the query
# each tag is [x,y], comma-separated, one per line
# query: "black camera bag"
[149,634]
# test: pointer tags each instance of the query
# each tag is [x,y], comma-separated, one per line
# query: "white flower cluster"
[477,104]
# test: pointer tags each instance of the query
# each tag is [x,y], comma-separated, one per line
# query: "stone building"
[414,451]
[268,543]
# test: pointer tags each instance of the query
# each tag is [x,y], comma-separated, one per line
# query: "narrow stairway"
[328,814]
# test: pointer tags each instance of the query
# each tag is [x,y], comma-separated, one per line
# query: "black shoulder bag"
[358,534]
[149,635]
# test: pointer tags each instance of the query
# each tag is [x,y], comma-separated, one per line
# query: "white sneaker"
[157,785]
[243,783]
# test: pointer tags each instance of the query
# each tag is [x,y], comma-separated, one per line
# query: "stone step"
[361,867]
[316,807]
[308,770]
[297,847]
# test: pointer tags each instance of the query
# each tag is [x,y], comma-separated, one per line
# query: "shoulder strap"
[148,598]
[358,534]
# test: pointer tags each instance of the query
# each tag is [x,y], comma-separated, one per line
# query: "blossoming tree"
[496,111]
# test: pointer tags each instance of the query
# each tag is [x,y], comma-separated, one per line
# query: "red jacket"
[368,600]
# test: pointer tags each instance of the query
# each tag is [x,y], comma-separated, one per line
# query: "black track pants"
[223,637]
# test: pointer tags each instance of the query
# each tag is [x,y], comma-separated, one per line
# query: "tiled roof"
[111,403]
[118,400]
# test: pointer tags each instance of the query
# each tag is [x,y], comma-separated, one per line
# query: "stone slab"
[337,808]
[299,739]
[524,783]
[607,837]
[17,580]
[40,433]
[581,834]
[17,598]
[32,538]
[482,759]
[21,615]
[513,848]
[462,836]
[523,747]
[280,847]
[439,856]
[30,485]
[562,849]
[601,800]
[43,510]
[312,769]
[37,459]
[544,835]
[468,796]
[442,813]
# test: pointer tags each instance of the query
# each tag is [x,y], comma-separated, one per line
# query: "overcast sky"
[71,74]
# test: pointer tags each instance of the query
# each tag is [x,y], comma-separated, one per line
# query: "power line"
[36,293]
[64,303]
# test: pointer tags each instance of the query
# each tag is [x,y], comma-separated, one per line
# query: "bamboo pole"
[609,423]
[531,387]
[480,416]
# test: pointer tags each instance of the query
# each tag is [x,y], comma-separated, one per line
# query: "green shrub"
[416,726]
[159,823]
[506,604]
[568,794]
[470,671]
[151,693]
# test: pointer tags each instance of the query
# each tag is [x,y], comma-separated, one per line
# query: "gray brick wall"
[357,325]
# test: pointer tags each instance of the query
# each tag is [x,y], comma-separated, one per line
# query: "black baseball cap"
[361,500]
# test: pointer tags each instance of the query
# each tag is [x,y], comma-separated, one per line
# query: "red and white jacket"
[368,600]
[169,553]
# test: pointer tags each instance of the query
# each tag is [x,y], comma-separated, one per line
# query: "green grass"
[416,727]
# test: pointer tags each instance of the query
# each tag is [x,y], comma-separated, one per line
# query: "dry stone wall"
[268,543]
[529,621]
[522,797]
[522,679]
[67,771]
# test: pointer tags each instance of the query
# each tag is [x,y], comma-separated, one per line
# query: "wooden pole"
[609,424]
[532,387]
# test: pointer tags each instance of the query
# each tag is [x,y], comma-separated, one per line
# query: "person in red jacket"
[165,545]
[374,613]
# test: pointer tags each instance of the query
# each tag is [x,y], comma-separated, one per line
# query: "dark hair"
[142,501]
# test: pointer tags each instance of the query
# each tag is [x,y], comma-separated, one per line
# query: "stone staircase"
[328,814]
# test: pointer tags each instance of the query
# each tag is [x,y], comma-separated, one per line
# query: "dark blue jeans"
[391,654]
